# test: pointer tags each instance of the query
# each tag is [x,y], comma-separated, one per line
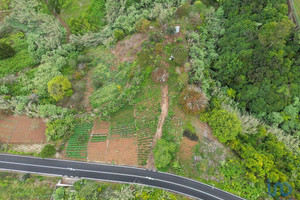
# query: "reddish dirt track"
[122,151]
[21,130]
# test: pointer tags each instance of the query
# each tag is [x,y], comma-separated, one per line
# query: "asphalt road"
[115,173]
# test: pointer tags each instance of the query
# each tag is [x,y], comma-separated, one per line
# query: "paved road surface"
[115,173]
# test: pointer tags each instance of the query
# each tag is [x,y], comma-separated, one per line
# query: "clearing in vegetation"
[128,137]
[21,130]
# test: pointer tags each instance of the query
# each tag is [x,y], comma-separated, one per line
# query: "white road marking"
[100,172]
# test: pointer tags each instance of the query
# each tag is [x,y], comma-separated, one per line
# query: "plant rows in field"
[147,111]
[123,124]
[98,138]
[77,145]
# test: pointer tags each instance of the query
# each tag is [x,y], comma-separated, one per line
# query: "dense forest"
[235,64]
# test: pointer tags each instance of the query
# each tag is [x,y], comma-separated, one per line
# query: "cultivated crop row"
[77,145]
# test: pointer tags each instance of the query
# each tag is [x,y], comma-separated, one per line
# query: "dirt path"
[62,22]
[126,50]
[159,131]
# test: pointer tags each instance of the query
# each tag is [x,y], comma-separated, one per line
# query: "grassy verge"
[19,186]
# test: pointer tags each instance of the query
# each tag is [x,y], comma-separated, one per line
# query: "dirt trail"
[162,117]
[62,22]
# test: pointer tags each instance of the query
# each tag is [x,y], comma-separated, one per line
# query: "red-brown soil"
[21,130]
[100,127]
[126,50]
[123,151]
[186,149]
[162,117]
[28,131]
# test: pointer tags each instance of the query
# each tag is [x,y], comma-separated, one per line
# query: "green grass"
[297,8]
[73,8]
[36,187]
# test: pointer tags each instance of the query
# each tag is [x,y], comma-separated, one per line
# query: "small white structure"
[171,58]
[177,29]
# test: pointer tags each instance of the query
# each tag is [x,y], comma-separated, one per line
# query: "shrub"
[171,30]
[192,136]
[163,152]
[58,87]
[59,128]
[48,151]
[6,51]
[119,34]
[193,100]
[226,126]
[54,6]
[142,25]
[183,10]
[25,177]
[156,37]
[180,54]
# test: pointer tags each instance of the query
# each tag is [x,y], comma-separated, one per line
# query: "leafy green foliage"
[34,187]
[142,25]
[119,87]
[258,56]
[86,189]
[266,158]
[119,34]
[6,51]
[83,17]
[180,54]
[226,126]
[60,128]
[43,32]
[163,153]
[58,87]
[54,5]
[48,151]
[21,58]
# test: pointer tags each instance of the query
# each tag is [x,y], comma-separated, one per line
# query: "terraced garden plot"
[147,111]
[28,131]
[78,144]
[122,124]
[6,128]
[21,130]
[186,150]
[100,127]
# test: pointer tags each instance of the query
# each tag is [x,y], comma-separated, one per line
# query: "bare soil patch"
[21,130]
[122,151]
[27,148]
[186,150]
[28,131]
[126,50]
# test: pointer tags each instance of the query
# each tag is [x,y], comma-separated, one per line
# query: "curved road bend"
[115,173]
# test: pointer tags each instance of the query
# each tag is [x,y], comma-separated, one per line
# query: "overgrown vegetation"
[230,58]
[18,186]
[86,189]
